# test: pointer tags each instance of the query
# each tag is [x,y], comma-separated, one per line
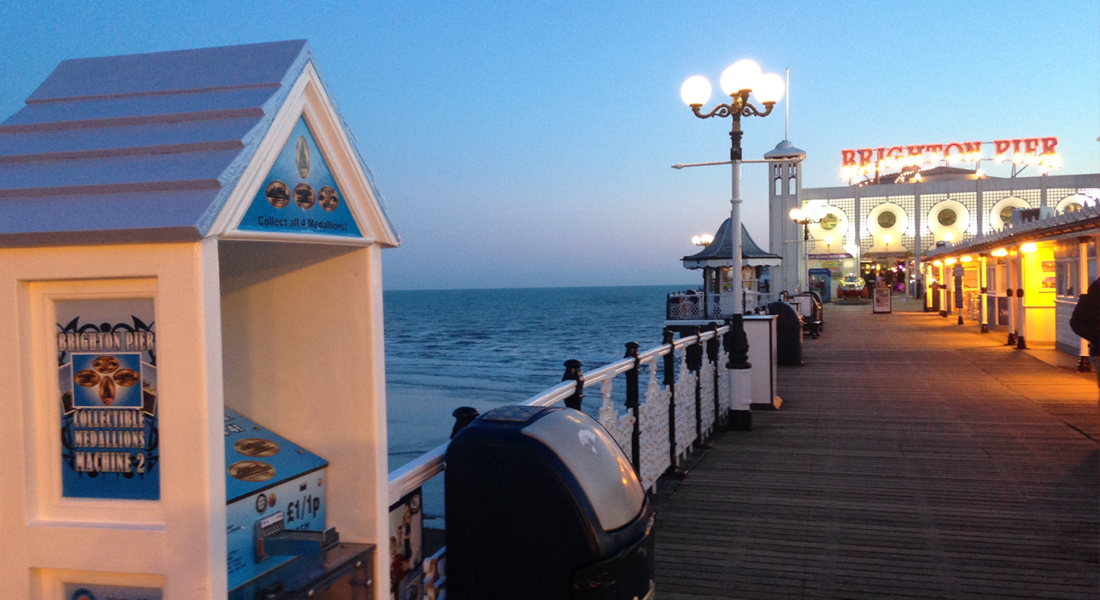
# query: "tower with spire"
[784,193]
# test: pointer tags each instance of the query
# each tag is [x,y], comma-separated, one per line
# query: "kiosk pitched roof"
[138,148]
[717,253]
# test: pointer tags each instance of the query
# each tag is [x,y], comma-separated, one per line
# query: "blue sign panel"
[299,195]
[108,381]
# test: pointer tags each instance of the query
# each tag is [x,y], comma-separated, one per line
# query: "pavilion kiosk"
[189,256]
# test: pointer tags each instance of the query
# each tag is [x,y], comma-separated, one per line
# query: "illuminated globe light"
[696,240]
[1029,247]
[948,236]
[951,261]
[795,214]
[769,88]
[937,263]
[1000,252]
[967,258]
[741,75]
[828,240]
[695,91]
[707,238]
[887,238]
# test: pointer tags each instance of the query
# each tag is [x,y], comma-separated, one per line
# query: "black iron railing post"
[573,373]
[464,415]
[712,356]
[670,383]
[694,358]
[633,401]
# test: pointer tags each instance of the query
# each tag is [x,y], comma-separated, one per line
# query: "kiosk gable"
[299,194]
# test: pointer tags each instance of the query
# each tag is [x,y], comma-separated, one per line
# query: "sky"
[529,144]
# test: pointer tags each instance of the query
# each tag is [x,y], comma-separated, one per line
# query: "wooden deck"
[912,458]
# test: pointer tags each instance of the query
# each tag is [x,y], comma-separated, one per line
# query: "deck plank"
[912,458]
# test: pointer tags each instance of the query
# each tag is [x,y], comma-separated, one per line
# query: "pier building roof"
[153,147]
[717,253]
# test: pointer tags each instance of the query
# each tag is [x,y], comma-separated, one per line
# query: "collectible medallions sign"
[107,353]
[301,174]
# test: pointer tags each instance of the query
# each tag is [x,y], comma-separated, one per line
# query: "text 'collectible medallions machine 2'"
[191,273]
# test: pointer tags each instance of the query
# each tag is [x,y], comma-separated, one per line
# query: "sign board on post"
[883,299]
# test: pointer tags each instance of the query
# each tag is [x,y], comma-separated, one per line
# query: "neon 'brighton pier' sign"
[1038,151]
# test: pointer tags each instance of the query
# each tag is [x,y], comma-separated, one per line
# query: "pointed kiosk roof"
[717,253]
[174,146]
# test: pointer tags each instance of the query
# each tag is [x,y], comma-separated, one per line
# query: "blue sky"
[523,144]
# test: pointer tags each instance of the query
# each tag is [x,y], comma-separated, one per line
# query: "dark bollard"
[573,373]
[464,415]
[737,349]
[633,401]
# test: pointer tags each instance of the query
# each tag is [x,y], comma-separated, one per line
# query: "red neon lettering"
[975,147]
[1001,146]
[894,151]
[848,158]
[865,155]
[1016,146]
[881,154]
[936,148]
[914,150]
[957,146]
[1031,145]
[1049,145]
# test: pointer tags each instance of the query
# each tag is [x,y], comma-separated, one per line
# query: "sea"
[488,348]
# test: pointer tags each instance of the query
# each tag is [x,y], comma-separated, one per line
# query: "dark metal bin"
[788,332]
[542,503]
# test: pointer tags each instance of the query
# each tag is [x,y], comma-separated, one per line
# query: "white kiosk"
[189,255]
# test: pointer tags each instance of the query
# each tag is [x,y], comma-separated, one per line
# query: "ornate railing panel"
[657,448]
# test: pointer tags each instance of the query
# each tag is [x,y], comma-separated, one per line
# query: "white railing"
[657,448]
[694,307]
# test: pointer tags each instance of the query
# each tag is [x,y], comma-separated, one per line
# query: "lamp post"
[702,240]
[738,81]
[805,218]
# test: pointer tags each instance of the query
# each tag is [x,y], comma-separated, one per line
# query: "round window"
[947,217]
[829,222]
[886,219]
[1006,214]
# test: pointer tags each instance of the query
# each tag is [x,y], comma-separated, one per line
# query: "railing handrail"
[415,473]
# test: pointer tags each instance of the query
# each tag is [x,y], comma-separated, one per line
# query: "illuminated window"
[947,217]
[829,222]
[886,219]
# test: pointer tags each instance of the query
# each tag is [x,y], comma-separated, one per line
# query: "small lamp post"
[702,240]
[805,218]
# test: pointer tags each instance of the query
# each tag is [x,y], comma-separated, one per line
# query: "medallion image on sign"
[256,447]
[111,382]
[303,196]
[277,194]
[328,198]
[301,156]
[251,471]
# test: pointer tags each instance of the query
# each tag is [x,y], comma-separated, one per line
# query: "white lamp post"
[738,81]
